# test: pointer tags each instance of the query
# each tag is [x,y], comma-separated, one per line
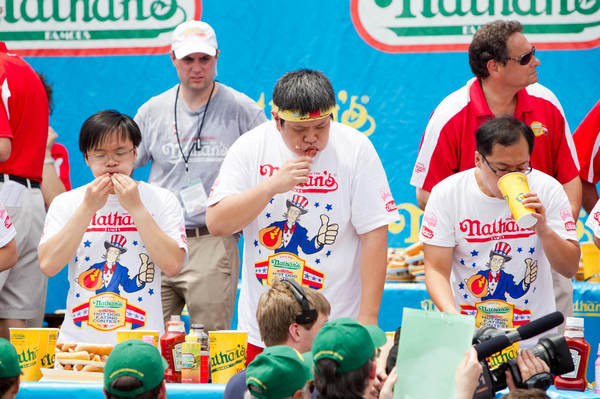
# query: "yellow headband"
[295,116]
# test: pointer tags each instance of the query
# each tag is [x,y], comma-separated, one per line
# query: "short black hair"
[304,91]
[7,382]
[48,89]
[129,383]
[489,42]
[504,130]
[332,384]
[102,125]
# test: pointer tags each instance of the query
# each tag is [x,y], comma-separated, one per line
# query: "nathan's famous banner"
[390,61]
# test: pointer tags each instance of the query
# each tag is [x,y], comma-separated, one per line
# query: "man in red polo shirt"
[587,141]
[23,133]
[504,64]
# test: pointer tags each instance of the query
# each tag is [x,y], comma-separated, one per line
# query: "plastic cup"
[513,185]
[36,348]
[124,335]
[227,354]
[590,255]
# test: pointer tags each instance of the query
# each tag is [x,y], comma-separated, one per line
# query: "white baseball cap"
[194,37]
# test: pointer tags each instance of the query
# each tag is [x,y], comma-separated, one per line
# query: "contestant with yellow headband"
[313,201]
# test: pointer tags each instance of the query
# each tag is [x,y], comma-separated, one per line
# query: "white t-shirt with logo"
[105,293]
[347,186]
[593,220]
[483,233]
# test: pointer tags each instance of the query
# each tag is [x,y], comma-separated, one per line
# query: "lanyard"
[198,145]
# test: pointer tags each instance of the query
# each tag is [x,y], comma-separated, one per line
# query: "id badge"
[194,199]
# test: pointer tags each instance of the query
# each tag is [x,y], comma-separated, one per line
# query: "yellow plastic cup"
[36,347]
[590,255]
[227,354]
[124,335]
[47,347]
[513,185]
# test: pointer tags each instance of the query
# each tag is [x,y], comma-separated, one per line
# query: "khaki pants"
[207,283]
[563,295]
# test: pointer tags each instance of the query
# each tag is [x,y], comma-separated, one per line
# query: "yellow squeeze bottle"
[190,359]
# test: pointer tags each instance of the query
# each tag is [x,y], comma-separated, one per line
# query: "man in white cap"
[186,132]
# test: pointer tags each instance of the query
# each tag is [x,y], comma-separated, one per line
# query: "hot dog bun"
[95,349]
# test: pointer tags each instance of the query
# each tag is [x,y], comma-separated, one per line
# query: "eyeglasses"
[525,58]
[501,172]
[103,156]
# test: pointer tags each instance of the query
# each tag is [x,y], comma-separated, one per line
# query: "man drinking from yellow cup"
[479,259]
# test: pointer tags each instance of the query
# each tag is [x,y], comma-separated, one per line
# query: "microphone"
[526,331]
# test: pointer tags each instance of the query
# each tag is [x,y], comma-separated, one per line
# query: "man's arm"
[51,183]
[562,254]
[56,252]
[162,249]
[589,195]
[8,255]
[573,190]
[373,266]
[5,148]
[233,213]
[422,198]
[438,266]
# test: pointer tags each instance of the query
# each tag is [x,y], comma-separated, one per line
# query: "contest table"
[74,390]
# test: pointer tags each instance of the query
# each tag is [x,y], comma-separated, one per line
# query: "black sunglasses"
[525,58]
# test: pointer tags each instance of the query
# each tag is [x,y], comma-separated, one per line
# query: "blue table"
[71,390]
[66,390]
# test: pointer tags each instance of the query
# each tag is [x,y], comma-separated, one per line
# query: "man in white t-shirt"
[313,201]
[112,233]
[478,261]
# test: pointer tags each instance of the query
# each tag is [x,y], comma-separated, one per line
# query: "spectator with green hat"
[135,369]
[10,370]
[279,372]
[344,359]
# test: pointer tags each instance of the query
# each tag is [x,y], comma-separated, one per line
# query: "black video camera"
[551,349]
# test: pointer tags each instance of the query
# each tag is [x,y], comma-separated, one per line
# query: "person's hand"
[146,274]
[97,192]
[387,390]
[291,173]
[327,232]
[530,271]
[529,365]
[467,375]
[532,201]
[127,192]
[52,136]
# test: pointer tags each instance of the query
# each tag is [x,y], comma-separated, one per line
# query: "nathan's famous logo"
[317,182]
[477,231]
[356,114]
[36,27]
[429,25]
[224,359]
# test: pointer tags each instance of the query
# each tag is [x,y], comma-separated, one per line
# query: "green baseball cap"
[9,361]
[278,372]
[347,342]
[138,359]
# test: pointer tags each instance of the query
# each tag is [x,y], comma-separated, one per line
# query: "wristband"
[49,160]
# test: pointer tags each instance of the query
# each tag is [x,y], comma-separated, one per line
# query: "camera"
[551,349]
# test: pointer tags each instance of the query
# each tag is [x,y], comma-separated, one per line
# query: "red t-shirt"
[61,162]
[23,116]
[448,144]
[587,141]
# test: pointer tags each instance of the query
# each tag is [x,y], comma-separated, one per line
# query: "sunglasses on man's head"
[525,58]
